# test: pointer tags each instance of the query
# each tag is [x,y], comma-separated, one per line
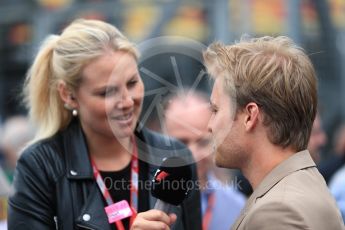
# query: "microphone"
[170,183]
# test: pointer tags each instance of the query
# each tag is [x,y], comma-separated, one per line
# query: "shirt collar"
[298,161]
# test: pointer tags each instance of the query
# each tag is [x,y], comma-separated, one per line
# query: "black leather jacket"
[54,184]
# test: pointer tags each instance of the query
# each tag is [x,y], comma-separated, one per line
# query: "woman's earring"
[67,106]
[75,112]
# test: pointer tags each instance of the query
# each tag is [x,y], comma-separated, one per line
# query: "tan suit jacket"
[292,196]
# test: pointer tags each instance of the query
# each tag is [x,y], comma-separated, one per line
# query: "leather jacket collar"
[78,167]
[78,164]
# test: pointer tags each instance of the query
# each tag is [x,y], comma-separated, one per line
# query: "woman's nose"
[126,101]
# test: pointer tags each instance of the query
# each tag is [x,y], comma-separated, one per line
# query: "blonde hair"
[278,76]
[63,58]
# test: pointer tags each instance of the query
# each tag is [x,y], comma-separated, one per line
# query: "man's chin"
[218,161]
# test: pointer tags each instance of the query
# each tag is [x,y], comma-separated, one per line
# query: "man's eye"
[214,110]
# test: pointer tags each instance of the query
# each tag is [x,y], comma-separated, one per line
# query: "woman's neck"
[110,154]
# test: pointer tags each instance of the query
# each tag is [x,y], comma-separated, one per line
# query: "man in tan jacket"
[264,102]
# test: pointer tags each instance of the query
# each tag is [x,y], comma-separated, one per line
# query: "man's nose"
[209,127]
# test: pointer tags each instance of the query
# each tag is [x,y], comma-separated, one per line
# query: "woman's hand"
[153,220]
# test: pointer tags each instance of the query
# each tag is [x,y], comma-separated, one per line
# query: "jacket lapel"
[78,167]
[244,211]
[92,215]
[78,164]
[298,161]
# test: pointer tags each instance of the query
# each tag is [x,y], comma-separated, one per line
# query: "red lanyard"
[134,185]
[208,214]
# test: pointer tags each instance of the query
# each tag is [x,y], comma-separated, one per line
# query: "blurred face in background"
[186,119]
[110,95]
[317,139]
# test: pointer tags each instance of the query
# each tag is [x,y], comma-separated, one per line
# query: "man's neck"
[263,161]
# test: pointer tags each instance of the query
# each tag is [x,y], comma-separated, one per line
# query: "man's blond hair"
[278,76]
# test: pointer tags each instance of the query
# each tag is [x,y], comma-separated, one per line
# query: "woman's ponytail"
[40,92]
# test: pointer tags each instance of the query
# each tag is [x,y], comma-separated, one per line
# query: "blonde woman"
[85,94]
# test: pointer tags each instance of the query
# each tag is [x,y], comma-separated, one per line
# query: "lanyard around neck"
[133,187]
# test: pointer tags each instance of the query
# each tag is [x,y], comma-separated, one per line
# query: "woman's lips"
[124,119]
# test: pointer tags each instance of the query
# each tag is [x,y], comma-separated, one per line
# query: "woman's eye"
[107,93]
[132,83]
[102,94]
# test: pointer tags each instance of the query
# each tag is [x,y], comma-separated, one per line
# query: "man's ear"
[251,117]
[67,95]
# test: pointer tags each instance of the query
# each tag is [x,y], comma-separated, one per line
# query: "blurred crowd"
[15,133]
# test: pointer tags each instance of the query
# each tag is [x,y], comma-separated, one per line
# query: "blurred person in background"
[2,155]
[85,94]
[339,141]
[264,103]
[337,187]
[333,170]
[5,191]
[336,158]
[186,117]
[17,133]
[317,139]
